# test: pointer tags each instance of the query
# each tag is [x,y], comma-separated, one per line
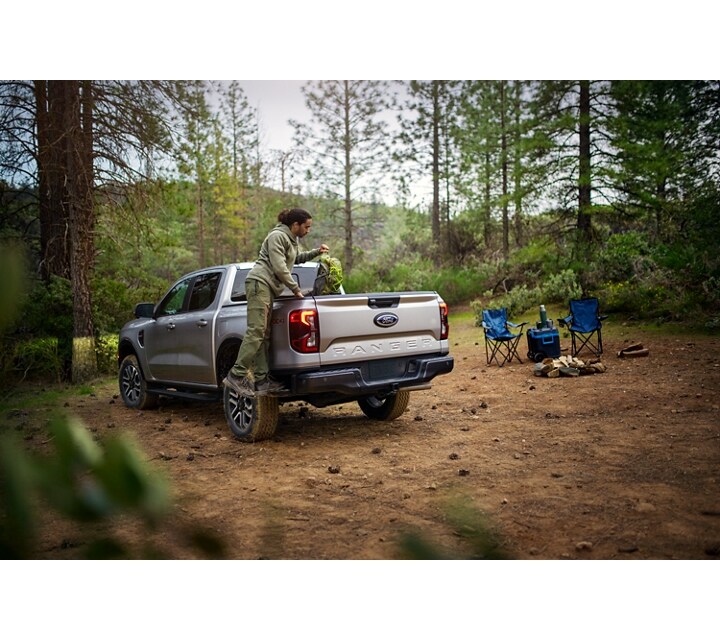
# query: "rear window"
[304,275]
[238,290]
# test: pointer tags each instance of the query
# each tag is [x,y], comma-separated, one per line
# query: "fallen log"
[637,346]
[640,353]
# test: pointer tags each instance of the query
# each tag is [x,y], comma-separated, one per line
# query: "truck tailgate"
[355,328]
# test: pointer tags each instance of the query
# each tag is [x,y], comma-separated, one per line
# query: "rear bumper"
[353,381]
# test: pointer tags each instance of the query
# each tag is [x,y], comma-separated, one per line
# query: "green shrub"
[455,285]
[106,349]
[648,300]
[560,287]
[619,297]
[536,259]
[516,301]
[458,285]
[38,357]
[13,285]
[624,256]
[711,290]
[112,306]
[49,309]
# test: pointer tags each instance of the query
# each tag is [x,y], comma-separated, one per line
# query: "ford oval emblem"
[386,320]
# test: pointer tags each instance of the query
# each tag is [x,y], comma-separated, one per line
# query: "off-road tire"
[133,387]
[250,419]
[387,408]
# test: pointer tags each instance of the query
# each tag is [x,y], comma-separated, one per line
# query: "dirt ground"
[623,464]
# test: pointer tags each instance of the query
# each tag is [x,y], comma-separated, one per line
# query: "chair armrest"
[603,317]
[513,324]
[566,321]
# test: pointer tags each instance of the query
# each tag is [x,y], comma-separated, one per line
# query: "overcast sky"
[276,101]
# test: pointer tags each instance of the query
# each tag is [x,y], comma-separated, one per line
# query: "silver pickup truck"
[328,349]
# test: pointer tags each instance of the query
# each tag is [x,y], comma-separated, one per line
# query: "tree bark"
[50,102]
[436,168]
[487,212]
[67,214]
[517,166]
[348,198]
[584,180]
[78,129]
[504,163]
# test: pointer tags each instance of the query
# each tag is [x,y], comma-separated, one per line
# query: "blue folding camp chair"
[585,325]
[500,343]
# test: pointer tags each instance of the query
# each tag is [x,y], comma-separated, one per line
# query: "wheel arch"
[126,348]
[225,357]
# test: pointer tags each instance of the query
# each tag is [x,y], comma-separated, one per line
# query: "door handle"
[170,326]
[202,323]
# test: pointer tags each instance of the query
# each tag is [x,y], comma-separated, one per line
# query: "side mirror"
[144,310]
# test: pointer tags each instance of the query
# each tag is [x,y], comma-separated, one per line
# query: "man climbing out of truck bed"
[266,280]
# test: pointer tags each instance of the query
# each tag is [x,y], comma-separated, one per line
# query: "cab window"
[173,302]
[204,291]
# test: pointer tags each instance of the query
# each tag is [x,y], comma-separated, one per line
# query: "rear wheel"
[250,419]
[133,388]
[385,408]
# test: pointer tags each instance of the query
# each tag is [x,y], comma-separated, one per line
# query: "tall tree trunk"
[504,165]
[487,214]
[436,169]
[42,126]
[67,215]
[584,181]
[348,200]
[517,166]
[54,229]
[446,136]
[200,204]
[78,129]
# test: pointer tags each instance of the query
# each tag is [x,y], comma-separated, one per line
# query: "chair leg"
[585,341]
[513,347]
[502,351]
[498,352]
[490,353]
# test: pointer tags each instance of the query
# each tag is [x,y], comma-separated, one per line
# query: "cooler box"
[543,343]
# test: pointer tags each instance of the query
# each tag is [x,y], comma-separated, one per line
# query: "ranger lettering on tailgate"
[390,346]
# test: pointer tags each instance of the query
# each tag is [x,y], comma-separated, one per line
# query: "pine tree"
[425,145]
[571,128]
[346,144]
[662,152]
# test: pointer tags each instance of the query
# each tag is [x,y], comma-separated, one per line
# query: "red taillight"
[444,324]
[304,331]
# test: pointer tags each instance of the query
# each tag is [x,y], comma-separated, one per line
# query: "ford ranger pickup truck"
[373,348]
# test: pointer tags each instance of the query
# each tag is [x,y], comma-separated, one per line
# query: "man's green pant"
[255,348]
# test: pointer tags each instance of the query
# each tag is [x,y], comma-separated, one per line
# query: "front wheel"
[133,387]
[250,419]
[385,408]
